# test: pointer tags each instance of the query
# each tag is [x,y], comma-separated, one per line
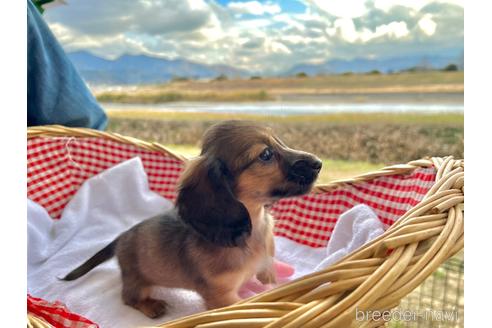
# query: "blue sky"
[260,35]
[289,6]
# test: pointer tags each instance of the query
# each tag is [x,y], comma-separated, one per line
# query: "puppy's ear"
[207,203]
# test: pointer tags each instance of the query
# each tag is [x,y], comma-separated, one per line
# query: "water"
[274,108]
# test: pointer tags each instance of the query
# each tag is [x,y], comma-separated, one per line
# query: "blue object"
[56,94]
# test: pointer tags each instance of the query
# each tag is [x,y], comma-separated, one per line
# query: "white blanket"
[353,229]
[110,203]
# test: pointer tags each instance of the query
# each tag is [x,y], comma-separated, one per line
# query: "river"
[304,105]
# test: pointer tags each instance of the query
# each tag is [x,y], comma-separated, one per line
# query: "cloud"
[416,5]
[345,28]
[342,8]
[258,36]
[394,29]
[94,17]
[427,25]
[253,43]
[254,8]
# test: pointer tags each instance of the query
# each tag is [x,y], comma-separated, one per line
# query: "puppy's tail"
[102,256]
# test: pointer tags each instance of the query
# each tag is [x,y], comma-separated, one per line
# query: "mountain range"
[384,65]
[142,69]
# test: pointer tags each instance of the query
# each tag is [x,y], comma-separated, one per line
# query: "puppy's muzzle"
[305,171]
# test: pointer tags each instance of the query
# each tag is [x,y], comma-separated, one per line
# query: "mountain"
[384,65]
[142,69]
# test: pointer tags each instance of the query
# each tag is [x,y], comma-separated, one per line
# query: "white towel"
[353,229]
[112,202]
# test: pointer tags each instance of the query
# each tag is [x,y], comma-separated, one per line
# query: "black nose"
[316,164]
[307,165]
[305,170]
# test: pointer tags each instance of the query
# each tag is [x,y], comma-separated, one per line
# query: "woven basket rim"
[63,131]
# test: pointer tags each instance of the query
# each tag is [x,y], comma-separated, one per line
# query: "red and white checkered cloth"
[310,219]
[56,167]
[56,314]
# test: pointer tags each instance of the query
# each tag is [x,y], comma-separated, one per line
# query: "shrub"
[221,77]
[179,79]
[450,68]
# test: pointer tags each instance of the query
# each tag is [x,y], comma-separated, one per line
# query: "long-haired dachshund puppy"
[219,234]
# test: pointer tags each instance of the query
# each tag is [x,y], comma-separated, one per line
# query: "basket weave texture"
[420,202]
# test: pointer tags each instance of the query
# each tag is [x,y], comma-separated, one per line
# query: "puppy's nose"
[316,164]
[305,170]
[304,165]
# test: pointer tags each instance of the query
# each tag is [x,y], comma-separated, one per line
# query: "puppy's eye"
[266,155]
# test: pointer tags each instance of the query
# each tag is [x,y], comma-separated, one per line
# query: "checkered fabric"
[310,219]
[56,167]
[56,314]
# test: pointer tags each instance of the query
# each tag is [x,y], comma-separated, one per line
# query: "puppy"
[219,234]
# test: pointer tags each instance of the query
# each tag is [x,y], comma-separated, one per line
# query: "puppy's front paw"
[267,277]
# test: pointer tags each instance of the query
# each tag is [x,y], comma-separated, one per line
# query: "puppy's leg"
[268,274]
[217,299]
[217,294]
[136,293]
[136,289]
[152,308]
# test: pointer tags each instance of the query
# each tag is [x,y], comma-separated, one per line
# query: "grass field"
[335,118]
[349,143]
[369,138]
[275,88]
[163,96]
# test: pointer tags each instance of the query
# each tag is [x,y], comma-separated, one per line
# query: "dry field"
[372,138]
[278,88]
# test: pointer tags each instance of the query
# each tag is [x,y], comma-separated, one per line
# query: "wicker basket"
[424,213]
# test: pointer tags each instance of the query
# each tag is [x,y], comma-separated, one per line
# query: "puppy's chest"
[245,260]
[257,243]
[256,250]
[241,263]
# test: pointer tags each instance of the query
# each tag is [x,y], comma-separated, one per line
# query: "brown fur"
[219,235]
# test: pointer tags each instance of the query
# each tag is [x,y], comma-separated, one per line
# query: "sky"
[260,36]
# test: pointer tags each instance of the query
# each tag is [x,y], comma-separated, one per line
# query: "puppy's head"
[241,163]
